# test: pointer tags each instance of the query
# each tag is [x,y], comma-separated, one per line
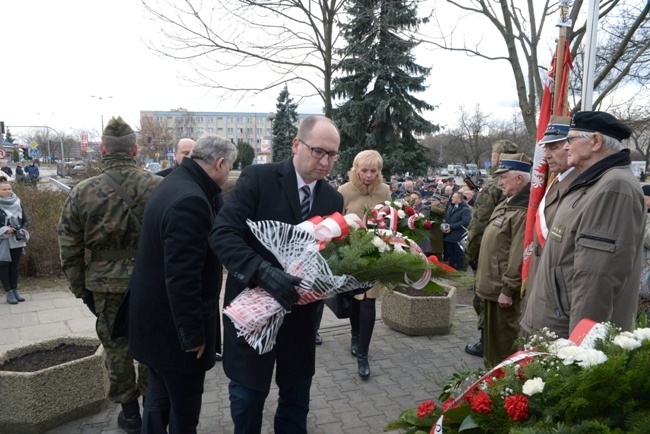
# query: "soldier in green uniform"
[102,214]
[490,196]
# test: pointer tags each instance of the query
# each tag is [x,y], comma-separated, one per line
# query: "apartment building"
[253,128]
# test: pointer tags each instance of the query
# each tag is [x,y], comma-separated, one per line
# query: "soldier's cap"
[504,147]
[519,162]
[646,190]
[436,197]
[117,128]
[601,122]
[557,130]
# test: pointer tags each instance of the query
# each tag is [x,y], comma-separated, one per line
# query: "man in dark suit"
[183,149]
[274,192]
[173,310]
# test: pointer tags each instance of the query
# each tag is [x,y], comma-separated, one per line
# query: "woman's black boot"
[354,343]
[364,367]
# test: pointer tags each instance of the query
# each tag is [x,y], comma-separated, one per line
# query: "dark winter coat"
[266,192]
[174,292]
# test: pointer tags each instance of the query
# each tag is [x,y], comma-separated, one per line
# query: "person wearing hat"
[498,276]
[103,214]
[562,175]
[484,204]
[590,266]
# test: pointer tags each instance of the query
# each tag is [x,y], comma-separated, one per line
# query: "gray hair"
[610,144]
[211,147]
[119,144]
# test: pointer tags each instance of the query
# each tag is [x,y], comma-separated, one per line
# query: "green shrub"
[43,208]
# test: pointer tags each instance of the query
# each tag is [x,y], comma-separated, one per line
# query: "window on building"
[240,120]
[230,130]
[219,129]
[199,119]
[210,130]
[240,130]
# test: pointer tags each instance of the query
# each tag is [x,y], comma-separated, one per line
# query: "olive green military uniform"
[96,219]
[437,215]
[487,200]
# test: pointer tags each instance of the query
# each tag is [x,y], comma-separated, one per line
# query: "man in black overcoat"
[273,192]
[173,306]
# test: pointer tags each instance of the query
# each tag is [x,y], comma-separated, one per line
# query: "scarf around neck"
[11,206]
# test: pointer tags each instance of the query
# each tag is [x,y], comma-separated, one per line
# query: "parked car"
[443,172]
[483,173]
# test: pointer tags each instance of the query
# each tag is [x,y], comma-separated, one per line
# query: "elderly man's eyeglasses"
[570,139]
[319,153]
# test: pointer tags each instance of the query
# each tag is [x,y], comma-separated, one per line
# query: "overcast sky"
[57,54]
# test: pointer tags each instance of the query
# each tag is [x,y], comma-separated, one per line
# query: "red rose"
[481,402]
[427,225]
[517,407]
[409,211]
[426,408]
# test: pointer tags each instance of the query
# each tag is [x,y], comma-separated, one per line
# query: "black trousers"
[174,401]
[9,272]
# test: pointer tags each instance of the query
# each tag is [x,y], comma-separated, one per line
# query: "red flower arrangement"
[516,406]
[426,408]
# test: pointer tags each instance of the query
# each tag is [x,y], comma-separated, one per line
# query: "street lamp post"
[271,117]
[101,98]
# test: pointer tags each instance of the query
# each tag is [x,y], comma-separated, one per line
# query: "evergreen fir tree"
[379,77]
[245,155]
[284,125]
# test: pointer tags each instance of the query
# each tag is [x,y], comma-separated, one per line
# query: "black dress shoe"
[364,366]
[219,357]
[319,340]
[475,349]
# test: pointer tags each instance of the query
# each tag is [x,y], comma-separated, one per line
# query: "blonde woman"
[364,189]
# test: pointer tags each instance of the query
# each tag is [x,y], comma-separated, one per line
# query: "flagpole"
[590,55]
[560,95]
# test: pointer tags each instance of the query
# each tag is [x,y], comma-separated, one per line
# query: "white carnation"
[626,342]
[556,345]
[590,357]
[380,244]
[401,214]
[569,354]
[642,334]
[533,386]
[398,204]
[399,249]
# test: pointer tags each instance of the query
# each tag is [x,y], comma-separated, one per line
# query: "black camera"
[13,222]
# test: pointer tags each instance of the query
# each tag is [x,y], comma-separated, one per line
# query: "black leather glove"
[279,284]
[89,301]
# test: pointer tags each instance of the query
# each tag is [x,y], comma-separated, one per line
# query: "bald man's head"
[183,149]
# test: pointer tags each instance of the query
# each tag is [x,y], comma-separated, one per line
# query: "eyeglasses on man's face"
[319,153]
[570,139]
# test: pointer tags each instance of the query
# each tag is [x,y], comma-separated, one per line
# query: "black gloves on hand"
[89,301]
[279,284]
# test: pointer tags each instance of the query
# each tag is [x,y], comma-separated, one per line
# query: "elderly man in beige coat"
[498,276]
[591,264]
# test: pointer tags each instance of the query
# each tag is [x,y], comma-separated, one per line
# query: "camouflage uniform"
[487,200]
[97,219]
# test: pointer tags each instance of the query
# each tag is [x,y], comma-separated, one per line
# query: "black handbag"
[341,304]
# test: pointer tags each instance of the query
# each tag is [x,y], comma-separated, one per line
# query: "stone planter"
[34,402]
[419,315]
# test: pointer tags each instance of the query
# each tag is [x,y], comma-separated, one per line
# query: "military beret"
[519,162]
[504,147]
[601,122]
[557,130]
[117,128]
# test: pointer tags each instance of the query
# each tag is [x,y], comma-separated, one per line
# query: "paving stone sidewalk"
[405,370]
